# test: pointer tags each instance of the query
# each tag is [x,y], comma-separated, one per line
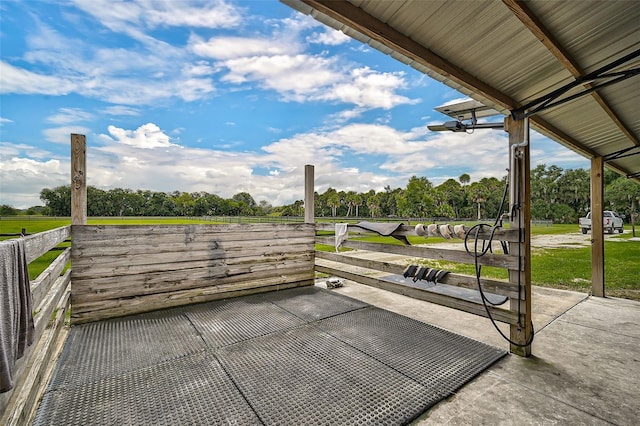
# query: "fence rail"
[359,267]
[50,296]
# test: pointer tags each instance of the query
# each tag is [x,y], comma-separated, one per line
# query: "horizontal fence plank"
[501,234]
[162,282]
[98,271]
[251,231]
[165,300]
[151,245]
[140,242]
[506,261]
[498,314]
[38,244]
[42,284]
[501,288]
[160,261]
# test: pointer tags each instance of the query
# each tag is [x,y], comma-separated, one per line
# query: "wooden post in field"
[309,213]
[597,227]
[520,184]
[78,179]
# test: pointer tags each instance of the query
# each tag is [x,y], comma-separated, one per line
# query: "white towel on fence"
[342,230]
[16,315]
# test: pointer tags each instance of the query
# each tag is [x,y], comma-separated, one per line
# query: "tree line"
[558,195]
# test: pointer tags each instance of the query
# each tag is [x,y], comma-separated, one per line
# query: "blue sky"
[223,97]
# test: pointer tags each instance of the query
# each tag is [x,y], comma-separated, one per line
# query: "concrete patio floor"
[585,368]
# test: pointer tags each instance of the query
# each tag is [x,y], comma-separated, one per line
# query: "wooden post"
[309,213]
[597,227]
[78,179]
[519,181]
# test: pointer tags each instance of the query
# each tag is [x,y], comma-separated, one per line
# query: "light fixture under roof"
[466,110]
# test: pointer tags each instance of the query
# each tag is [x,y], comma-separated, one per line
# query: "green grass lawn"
[564,268]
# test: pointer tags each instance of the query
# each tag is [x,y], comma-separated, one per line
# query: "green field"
[564,268]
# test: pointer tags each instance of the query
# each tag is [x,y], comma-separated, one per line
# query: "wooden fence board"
[116,250]
[506,261]
[38,244]
[501,234]
[501,315]
[143,284]
[117,308]
[99,271]
[250,231]
[41,285]
[502,288]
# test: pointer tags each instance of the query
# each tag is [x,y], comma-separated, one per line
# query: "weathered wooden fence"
[50,296]
[363,270]
[122,270]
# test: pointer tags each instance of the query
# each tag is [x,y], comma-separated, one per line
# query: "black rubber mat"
[313,303]
[231,321]
[192,390]
[298,356]
[304,376]
[436,358]
[106,348]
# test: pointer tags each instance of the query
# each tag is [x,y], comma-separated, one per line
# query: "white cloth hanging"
[342,231]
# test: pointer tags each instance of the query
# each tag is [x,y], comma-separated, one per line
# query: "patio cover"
[508,53]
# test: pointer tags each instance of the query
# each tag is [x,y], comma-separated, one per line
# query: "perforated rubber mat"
[298,356]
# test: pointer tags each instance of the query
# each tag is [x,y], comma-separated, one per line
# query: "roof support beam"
[524,14]
[597,227]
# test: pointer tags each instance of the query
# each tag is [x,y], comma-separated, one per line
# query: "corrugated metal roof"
[485,50]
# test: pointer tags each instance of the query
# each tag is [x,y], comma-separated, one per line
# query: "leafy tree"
[449,198]
[265,207]
[57,200]
[246,198]
[373,203]
[97,202]
[6,210]
[574,191]
[333,201]
[623,196]
[417,200]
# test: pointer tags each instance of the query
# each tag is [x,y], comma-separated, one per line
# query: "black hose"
[487,247]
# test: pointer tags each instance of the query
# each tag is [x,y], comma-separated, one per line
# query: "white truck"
[611,222]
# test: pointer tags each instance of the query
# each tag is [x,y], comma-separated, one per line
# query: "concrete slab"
[492,400]
[620,316]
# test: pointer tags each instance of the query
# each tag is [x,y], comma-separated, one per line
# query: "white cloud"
[367,88]
[4,121]
[330,37]
[23,179]
[238,47]
[18,80]
[69,115]
[483,153]
[147,136]
[63,134]
[121,110]
[130,17]
[295,77]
